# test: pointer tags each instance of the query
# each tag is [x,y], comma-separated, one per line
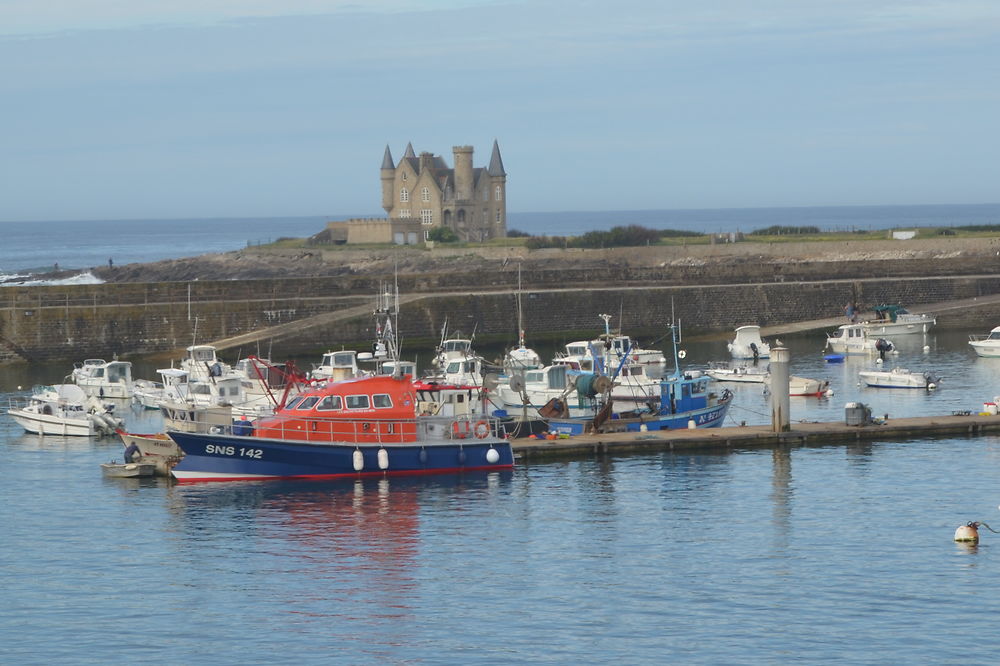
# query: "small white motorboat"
[898,378]
[127,470]
[748,374]
[805,386]
[854,339]
[63,409]
[896,320]
[747,343]
[987,345]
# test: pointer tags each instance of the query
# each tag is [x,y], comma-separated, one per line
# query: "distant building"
[421,193]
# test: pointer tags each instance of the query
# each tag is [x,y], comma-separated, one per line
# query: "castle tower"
[463,172]
[388,181]
[498,193]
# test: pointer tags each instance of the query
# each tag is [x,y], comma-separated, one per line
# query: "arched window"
[404,195]
[461,216]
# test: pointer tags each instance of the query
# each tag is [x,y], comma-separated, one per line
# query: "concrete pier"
[754,437]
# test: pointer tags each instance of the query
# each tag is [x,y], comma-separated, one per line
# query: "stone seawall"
[74,322]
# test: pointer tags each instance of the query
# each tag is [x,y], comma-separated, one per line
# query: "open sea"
[820,554]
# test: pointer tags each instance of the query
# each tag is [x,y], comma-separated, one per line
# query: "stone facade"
[470,201]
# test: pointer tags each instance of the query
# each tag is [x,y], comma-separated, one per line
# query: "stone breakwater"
[288,298]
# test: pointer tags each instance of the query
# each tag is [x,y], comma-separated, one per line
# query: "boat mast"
[520,320]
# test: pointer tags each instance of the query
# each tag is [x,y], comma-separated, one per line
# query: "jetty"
[755,437]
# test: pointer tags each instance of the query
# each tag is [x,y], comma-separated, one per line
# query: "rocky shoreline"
[271,263]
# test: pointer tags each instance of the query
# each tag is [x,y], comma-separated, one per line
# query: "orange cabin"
[363,410]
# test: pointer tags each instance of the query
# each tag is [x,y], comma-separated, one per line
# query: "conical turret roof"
[387,159]
[496,162]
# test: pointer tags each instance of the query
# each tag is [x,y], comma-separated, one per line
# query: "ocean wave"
[33,280]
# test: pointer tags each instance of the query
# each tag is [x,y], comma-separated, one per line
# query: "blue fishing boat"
[687,399]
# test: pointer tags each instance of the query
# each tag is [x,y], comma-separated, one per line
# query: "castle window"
[404,195]
[498,215]
[404,176]
[498,193]
[404,212]
[426,216]
[425,194]
[486,195]
[427,234]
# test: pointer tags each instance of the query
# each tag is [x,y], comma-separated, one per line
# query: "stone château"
[423,192]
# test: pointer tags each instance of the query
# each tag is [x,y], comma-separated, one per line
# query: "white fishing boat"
[853,339]
[987,345]
[202,362]
[521,357]
[898,378]
[63,409]
[104,379]
[897,320]
[336,366]
[749,374]
[748,344]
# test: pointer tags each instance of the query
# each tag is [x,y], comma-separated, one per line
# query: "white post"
[779,389]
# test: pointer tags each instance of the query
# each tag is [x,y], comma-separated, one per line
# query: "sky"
[229,108]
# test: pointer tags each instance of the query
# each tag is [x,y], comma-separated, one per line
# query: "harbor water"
[839,554]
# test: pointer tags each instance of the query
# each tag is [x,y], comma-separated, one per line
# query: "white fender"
[492,456]
[383,459]
[359,460]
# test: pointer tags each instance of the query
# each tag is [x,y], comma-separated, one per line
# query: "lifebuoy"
[458,431]
[481,430]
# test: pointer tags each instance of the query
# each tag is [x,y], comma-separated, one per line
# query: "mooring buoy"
[968,533]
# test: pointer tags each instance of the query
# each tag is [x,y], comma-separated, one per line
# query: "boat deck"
[751,437]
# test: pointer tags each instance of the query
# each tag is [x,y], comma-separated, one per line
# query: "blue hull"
[210,457]
[710,417]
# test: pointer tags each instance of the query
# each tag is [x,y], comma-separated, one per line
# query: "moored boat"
[853,339]
[898,378]
[63,409]
[748,344]
[127,470]
[357,427]
[987,345]
[897,320]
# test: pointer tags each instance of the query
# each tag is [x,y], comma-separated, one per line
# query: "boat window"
[330,403]
[201,389]
[308,402]
[345,359]
[381,401]
[294,402]
[234,390]
[454,368]
[357,402]
[994,336]
[533,376]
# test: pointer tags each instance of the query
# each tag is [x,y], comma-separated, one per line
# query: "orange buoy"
[968,533]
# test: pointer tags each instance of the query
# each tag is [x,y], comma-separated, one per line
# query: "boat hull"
[209,457]
[709,417]
[986,348]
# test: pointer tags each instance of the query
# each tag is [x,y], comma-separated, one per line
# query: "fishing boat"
[897,320]
[899,378]
[748,344]
[521,357]
[63,409]
[685,399]
[853,339]
[987,345]
[365,426]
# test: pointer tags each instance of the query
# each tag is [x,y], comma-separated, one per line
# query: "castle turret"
[463,172]
[388,180]
[498,187]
